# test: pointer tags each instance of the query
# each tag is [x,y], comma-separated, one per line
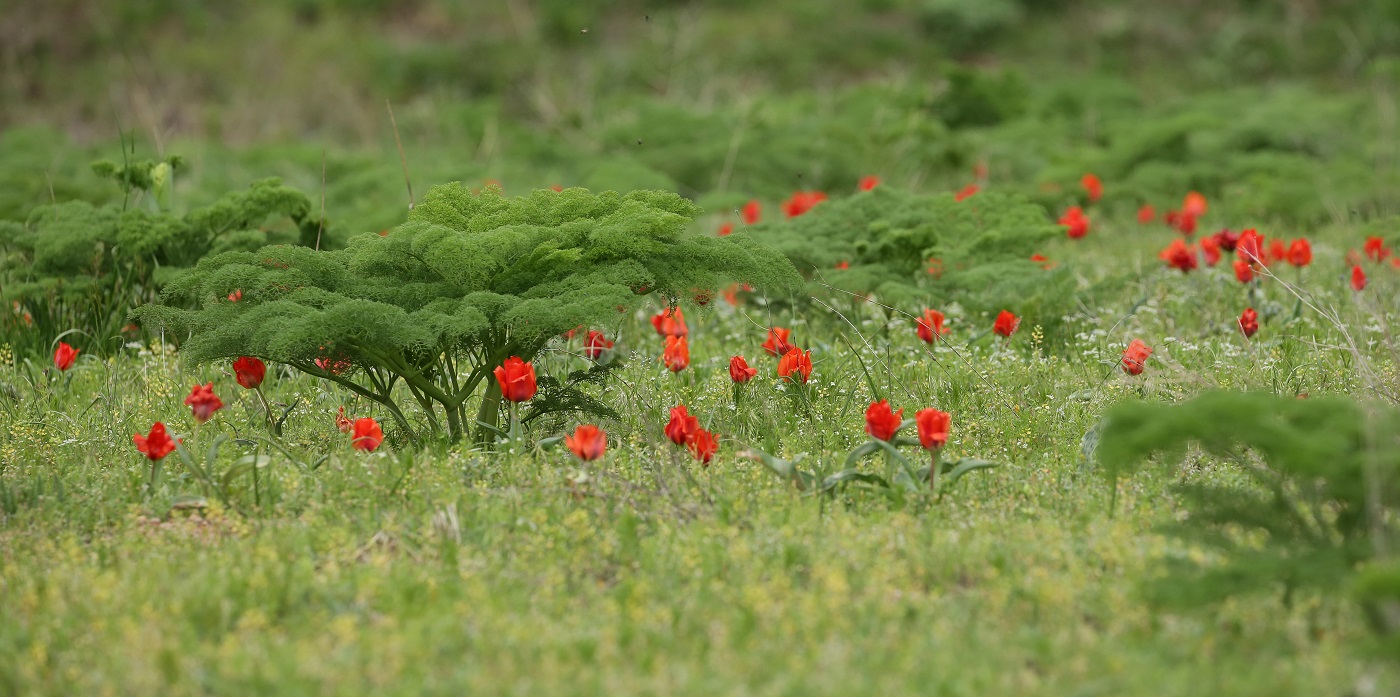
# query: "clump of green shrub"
[75,265]
[468,281]
[1315,511]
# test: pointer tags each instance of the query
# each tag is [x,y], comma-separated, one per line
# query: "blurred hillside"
[252,70]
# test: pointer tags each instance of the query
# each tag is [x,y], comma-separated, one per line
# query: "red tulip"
[236,295]
[1179,256]
[726,229]
[203,402]
[1358,278]
[595,344]
[931,325]
[1278,251]
[935,267]
[801,202]
[1194,204]
[1227,240]
[843,265]
[1075,223]
[1375,249]
[517,379]
[880,422]
[1006,324]
[588,442]
[670,322]
[777,343]
[795,365]
[1210,249]
[681,426]
[1250,248]
[933,427]
[1249,322]
[966,192]
[342,422]
[367,434]
[703,446]
[64,355]
[1146,214]
[1300,253]
[1043,261]
[1092,186]
[739,370]
[750,212]
[249,371]
[869,182]
[1135,356]
[155,445]
[1243,271]
[676,356]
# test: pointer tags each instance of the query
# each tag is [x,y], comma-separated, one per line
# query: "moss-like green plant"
[1318,501]
[886,237]
[75,265]
[468,281]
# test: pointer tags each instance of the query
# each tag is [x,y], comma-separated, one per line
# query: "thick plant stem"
[488,414]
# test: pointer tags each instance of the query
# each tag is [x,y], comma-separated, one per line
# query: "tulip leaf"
[954,470]
[850,475]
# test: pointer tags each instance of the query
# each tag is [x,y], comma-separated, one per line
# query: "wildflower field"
[955,347]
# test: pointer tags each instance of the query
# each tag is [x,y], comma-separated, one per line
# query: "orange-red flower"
[935,267]
[1249,322]
[1044,262]
[882,423]
[1135,357]
[595,344]
[801,202]
[931,326]
[739,370]
[726,229]
[236,295]
[1194,204]
[1250,248]
[777,343]
[588,443]
[156,444]
[966,192]
[203,402]
[367,435]
[677,354]
[933,427]
[750,212]
[1092,186]
[869,182]
[670,322]
[249,371]
[1006,323]
[342,422]
[1375,249]
[703,446]
[843,265]
[1146,214]
[1300,252]
[1358,278]
[64,355]
[517,379]
[795,365]
[1243,271]
[681,426]
[1210,249]
[1179,256]
[1075,223]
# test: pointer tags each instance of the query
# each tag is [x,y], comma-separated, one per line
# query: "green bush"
[443,299]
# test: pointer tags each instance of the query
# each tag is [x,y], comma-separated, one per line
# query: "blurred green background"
[720,100]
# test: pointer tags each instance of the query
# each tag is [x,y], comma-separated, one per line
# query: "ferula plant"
[72,264]
[468,281]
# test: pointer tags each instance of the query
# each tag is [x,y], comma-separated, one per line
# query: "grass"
[322,570]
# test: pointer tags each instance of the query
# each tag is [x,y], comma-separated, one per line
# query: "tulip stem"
[267,410]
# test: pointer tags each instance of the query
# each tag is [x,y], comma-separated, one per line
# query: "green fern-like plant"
[468,281]
[886,238]
[1317,502]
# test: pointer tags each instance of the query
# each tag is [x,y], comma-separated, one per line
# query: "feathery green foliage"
[468,281]
[72,264]
[888,236]
[1319,499]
